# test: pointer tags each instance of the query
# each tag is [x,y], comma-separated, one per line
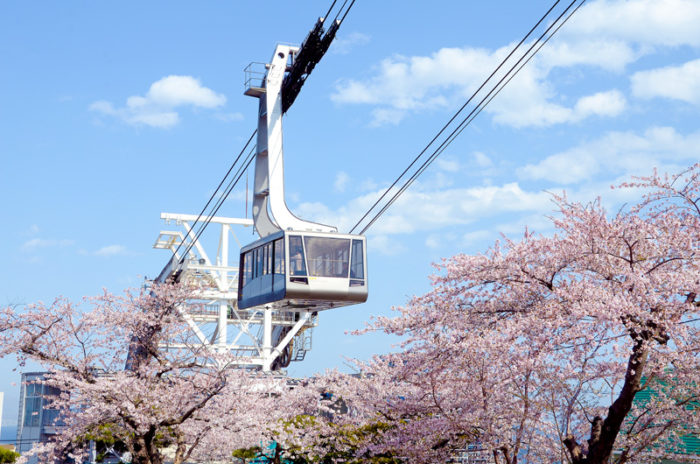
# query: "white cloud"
[341,181]
[183,90]
[343,44]
[646,22]
[563,168]
[111,250]
[229,117]
[411,84]
[476,237]
[433,241]
[523,110]
[386,245]
[605,34]
[610,54]
[448,165]
[482,160]
[609,103]
[37,243]
[430,209]
[618,153]
[442,240]
[157,107]
[386,116]
[160,119]
[103,106]
[676,82]
[592,166]
[368,185]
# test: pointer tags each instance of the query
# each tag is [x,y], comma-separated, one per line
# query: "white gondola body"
[303,271]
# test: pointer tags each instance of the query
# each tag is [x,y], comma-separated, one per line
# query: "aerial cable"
[515,73]
[232,183]
[330,8]
[467,120]
[229,188]
[346,11]
[447,124]
[544,42]
[213,195]
[340,10]
[445,127]
[201,213]
[477,109]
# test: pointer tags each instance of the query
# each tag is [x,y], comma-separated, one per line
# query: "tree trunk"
[145,449]
[604,432]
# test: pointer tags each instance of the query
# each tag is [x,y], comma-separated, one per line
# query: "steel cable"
[229,188]
[201,213]
[472,114]
[447,124]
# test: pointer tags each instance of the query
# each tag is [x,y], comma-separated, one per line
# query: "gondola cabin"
[303,270]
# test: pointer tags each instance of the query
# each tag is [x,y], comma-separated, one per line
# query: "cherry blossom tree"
[183,405]
[320,427]
[535,350]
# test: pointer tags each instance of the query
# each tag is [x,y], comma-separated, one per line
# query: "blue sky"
[111,113]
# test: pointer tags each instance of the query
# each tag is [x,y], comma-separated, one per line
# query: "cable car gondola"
[296,265]
[303,270]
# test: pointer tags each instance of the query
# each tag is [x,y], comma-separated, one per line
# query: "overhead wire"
[229,188]
[508,76]
[481,108]
[470,117]
[447,124]
[524,63]
[340,10]
[346,11]
[213,195]
[329,9]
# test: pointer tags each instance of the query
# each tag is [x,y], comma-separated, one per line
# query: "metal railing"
[254,75]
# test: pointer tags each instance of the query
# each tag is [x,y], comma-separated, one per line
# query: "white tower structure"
[260,338]
[267,336]
[270,212]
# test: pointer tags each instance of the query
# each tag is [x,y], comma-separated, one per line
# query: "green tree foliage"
[337,442]
[7,455]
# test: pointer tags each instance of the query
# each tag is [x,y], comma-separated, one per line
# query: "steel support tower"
[259,338]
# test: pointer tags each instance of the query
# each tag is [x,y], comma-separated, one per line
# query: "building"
[35,422]
[689,445]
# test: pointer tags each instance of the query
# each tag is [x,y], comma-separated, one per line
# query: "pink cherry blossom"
[534,351]
[183,405]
